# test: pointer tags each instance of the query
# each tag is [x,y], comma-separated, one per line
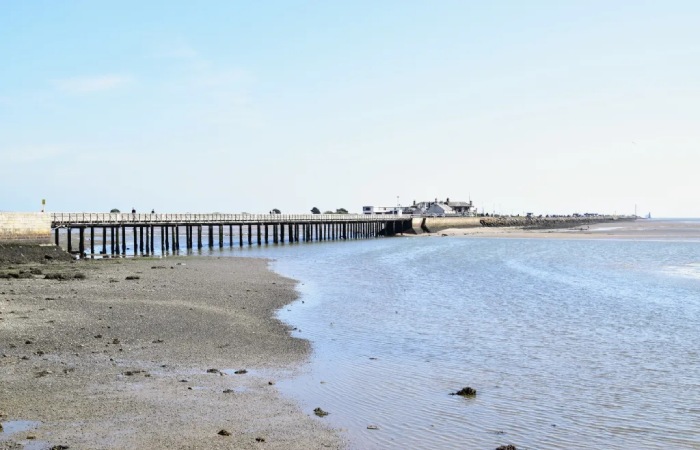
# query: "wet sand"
[109,362]
[639,229]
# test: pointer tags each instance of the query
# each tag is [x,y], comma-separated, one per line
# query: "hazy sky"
[230,106]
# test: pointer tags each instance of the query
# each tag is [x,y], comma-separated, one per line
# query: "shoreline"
[637,230]
[111,362]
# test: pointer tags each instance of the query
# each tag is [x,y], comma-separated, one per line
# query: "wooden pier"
[120,234]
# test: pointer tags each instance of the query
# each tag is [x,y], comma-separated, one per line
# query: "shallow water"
[569,343]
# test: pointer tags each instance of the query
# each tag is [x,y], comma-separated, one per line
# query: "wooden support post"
[136,241]
[240,235]
[259,235]
[282,233]
[274,233]
[70,244]
[211,236]
[92,242]
[230,235]
[56,235]
[250,234]
[176,238]
[123,239]
[153,230]
[104,241]
[112,250]
[81,242]
[221,236]
[148,240]
[140,229]
[267,241]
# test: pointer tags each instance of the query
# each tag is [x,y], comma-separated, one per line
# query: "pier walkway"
[122,234]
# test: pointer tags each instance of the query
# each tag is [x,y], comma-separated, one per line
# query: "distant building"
[395,210]
[446,208]
[437,208]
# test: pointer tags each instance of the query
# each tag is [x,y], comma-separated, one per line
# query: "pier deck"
[137,234]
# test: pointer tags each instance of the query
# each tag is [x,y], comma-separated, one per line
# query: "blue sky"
[542,106]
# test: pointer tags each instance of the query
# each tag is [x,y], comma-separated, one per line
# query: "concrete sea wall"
[25,227]
[435,224]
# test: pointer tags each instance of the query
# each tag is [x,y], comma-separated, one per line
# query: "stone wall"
[437,224]
[25,227]
[549,222]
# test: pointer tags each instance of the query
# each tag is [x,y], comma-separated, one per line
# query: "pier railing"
[67,219]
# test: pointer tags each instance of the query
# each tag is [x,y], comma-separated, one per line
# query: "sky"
[551,107]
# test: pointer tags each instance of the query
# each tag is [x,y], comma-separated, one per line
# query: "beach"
[638,229]
[170,352]
[150,353]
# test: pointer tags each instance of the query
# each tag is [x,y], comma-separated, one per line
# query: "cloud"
[85,85]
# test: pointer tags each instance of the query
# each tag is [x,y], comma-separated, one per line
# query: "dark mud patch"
[14,253]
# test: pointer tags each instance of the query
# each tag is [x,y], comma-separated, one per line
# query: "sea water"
[568,343]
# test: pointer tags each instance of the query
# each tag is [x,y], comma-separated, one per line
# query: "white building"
[395,210]
[446,208]
[438,208]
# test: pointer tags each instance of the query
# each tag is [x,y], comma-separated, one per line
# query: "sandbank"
[634,230]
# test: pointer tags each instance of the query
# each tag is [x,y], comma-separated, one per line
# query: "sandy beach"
[144,353]
[639,229]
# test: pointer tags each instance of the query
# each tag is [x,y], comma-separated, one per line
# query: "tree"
[276,211]
[328,212]
[315,210]
[114,210]
[341,211]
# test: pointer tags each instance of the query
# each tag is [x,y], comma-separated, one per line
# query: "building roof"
[445,208]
